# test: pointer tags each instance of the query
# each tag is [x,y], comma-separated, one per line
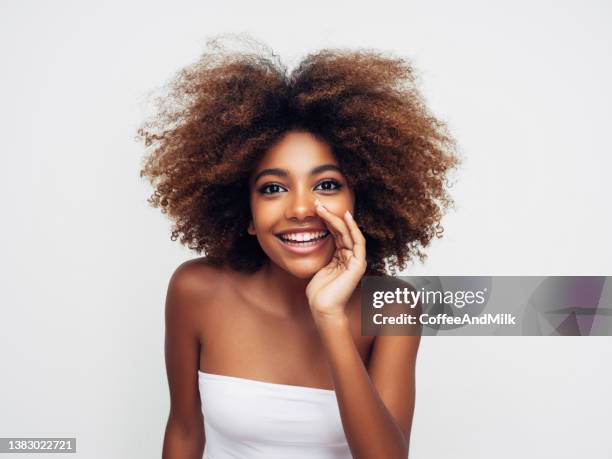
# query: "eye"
[270,188]
[329,185]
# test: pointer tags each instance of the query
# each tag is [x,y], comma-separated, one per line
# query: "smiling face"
[283,187]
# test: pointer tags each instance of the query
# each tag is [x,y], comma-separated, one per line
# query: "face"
[283,188]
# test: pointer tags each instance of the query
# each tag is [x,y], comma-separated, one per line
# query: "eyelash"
[337,184]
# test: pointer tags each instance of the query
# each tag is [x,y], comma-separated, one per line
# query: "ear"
[251,228]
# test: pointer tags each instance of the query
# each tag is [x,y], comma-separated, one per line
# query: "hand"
[330,288]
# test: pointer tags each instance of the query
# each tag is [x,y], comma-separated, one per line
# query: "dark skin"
[296,321]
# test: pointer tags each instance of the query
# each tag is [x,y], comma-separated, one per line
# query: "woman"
[282,181]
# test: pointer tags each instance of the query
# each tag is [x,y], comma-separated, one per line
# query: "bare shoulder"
[395,280]
[194,284]
[197,276]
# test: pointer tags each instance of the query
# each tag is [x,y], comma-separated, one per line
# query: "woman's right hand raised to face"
[330,289]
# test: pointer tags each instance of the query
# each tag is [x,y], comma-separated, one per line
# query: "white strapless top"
[249,419]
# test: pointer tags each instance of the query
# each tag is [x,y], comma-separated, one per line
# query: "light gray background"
[523,85]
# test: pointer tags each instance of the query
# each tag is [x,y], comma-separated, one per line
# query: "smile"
[303,243]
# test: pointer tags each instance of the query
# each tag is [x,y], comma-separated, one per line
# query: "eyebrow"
[285,173]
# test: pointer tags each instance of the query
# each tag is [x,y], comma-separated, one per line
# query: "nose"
[301,205]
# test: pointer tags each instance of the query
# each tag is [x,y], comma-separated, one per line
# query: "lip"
[304,250]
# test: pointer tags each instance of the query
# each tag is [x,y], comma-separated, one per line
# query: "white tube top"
[249,419]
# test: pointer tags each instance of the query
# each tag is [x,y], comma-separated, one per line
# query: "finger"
[357,236]
[336,233]
[347,255]
[337,223]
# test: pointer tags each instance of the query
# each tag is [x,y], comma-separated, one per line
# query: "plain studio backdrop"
[525,88]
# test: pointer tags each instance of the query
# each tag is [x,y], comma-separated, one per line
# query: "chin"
[302,269]
[302,273]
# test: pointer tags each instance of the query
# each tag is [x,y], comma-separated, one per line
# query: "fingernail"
[349,215]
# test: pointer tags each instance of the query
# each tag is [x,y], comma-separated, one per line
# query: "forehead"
[298,152]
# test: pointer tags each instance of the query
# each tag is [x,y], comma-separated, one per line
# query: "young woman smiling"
[293,187]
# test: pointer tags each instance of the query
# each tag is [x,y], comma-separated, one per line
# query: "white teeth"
[303,237]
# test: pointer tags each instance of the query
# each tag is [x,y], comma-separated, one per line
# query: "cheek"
[339,204]
[264,213]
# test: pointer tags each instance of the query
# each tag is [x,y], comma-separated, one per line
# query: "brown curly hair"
[218,116]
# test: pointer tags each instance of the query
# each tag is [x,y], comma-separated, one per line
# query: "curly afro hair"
[218,116]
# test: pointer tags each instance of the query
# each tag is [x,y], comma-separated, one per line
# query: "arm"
[184,436]
[376,405]
[376,408]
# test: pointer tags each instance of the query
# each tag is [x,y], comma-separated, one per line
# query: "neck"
[285,293]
